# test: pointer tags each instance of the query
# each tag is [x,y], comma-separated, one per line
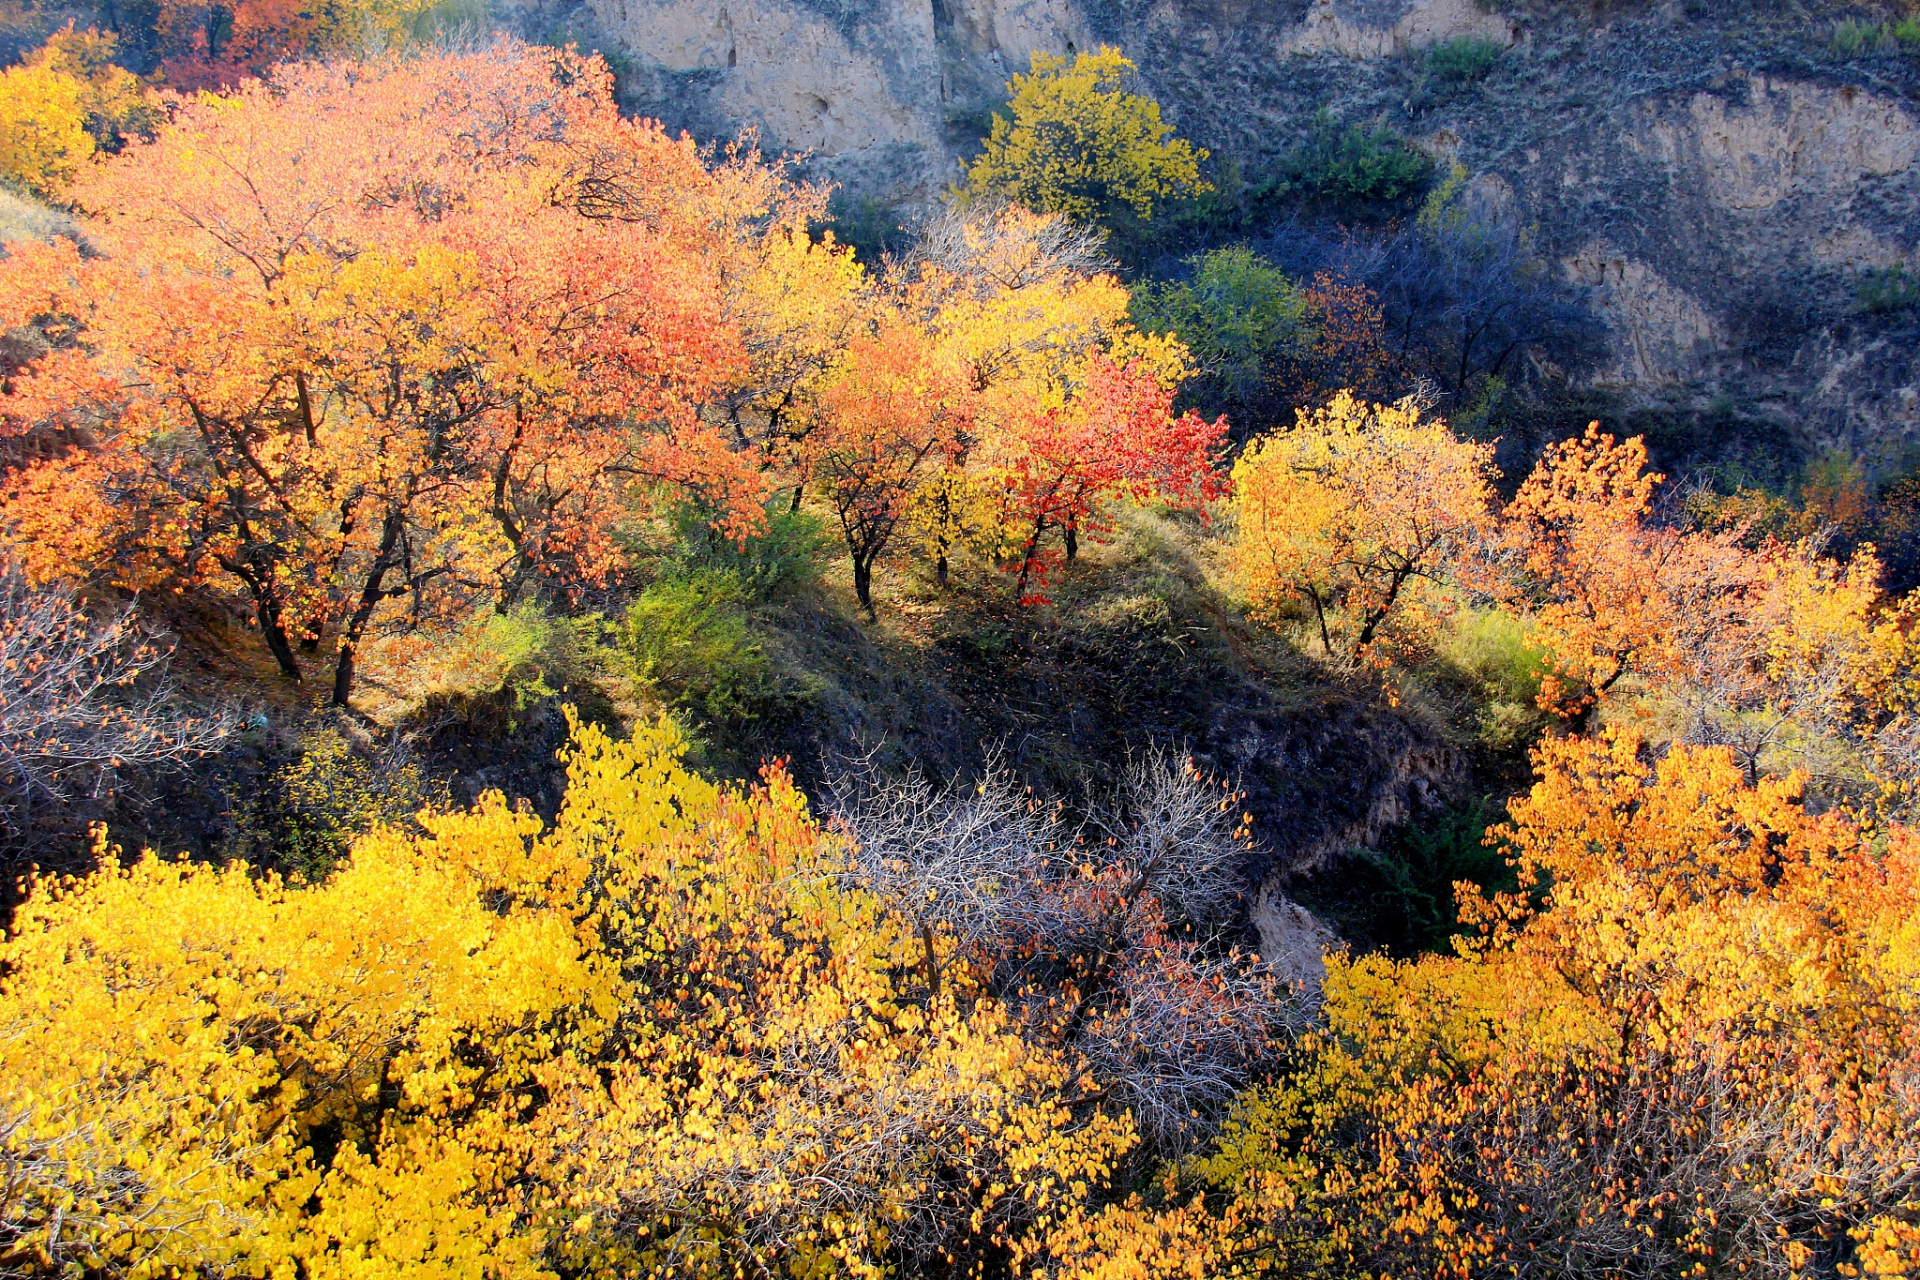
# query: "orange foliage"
[891,407]
[401,330]
[1687,1046]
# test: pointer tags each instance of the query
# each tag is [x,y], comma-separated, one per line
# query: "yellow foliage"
[1365,514]
[43,133]
[1078,143]
[665,1035]
[1686,1046]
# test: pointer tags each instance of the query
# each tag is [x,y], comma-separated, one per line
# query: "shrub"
[1352,164]
[1462,61]
[786,554]
[1887,289]
[1853,38]
[874,229]
[308,812]
[489,674]
[83,699]
[1489,648]
[690,640]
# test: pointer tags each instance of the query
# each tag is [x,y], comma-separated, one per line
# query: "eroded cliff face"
[880,97]
[1714,182]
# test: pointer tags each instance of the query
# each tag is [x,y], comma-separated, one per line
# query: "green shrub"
[1488,649]
[1463,60]
[1352,164]
[1400,897]
[874,229]
[691,641]
[1854,38]
[1419,866]
[786,554]
[491,674]
[1888,289]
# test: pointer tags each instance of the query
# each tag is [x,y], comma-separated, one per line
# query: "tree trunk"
[940,570]
[370,596]
[1073,542]
[276,636]
[1026,561]
[863,585]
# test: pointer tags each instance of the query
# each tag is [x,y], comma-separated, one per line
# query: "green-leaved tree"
[1238,315]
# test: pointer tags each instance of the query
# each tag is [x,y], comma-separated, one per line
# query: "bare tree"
[1114,936]
[83,699]
[1005,250]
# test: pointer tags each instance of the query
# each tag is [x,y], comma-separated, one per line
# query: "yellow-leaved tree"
[1362,514]
[1076,141]
[43,128]
[668,1036]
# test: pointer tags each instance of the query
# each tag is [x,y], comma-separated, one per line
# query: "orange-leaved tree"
[401,331]
[1366,515]
[1785,655]
[892,405]
[1117,434]
[1687,1045]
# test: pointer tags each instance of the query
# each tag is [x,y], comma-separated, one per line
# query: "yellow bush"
[43,128]
[665,1036]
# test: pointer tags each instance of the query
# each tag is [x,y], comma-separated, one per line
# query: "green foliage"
[692,642]
[1463,60]
[1352,164]
[1236,315]
[492,674]
[306,814]
[1853,38]
[1887,289]
[874,229]
[1075,141]
[1400,897]
[786,555]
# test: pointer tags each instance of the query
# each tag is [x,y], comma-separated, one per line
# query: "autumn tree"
[84,699]
[43,128]
[1112,939]
[1026,307]
[205,45]
[119,106]
[404,332]
[891,407]
[1118,435]
[1076,141]
[1364,514]
[1628,1068]
[798,302]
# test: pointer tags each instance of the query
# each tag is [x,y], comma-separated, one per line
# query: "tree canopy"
[1076,141]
